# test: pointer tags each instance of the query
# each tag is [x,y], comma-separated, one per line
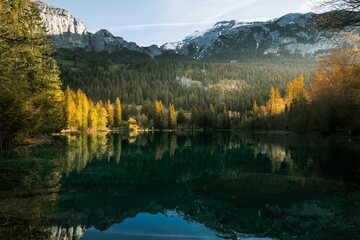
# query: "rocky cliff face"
[59,21]
[69,32]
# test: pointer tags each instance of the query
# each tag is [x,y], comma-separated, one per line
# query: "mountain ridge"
[71,33]
[293,33]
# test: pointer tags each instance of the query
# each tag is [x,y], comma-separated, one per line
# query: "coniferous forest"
[45,91]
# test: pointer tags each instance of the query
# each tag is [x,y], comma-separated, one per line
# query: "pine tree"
[181,118]
[225,119]
[213,117]
[194,116]
[29,80]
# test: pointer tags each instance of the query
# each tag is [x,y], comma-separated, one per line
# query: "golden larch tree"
[172,116]
[117,113]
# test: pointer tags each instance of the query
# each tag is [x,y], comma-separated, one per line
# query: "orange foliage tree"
[336,91]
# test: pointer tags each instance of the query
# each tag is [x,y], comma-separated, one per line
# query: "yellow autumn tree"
[335,91]
[102,116]
[70,109]
[296,92]
[92,116]
[276,103]
[172,116]
[159,116]
[255,108]
[133,127]
[297,105]
[117,113]
[110,113]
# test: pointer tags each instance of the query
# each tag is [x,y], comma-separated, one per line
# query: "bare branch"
[344,13]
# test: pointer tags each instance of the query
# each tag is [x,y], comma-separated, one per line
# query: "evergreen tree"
[181,118]
[194,116]
[213,117]
[225,119]
[31,99]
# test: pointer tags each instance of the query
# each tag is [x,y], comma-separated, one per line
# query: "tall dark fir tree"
[30,97]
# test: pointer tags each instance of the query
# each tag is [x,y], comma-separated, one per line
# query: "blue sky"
[149,22]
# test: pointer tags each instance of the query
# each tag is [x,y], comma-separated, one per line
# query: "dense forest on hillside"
[105,76]
[130,91]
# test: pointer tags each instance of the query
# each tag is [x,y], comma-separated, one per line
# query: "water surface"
[167,186]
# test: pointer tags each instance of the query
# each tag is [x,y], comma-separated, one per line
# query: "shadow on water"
[166,186]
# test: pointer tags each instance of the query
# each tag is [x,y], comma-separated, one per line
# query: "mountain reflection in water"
[163,186]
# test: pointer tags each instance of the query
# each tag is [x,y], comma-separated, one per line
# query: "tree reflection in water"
[263,185]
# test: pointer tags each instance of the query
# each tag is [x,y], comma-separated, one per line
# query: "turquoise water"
[166,186]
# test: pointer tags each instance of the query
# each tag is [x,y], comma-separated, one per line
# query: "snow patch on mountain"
[293,33]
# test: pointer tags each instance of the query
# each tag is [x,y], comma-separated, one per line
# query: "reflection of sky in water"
[149,226]
[157,226]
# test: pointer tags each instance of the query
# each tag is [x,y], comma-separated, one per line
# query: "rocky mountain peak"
[294,33]
[69,32]
[104,33]
[59,21]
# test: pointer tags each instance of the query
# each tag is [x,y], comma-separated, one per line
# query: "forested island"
[45,91]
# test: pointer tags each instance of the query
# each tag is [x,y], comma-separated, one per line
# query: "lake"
[167,186]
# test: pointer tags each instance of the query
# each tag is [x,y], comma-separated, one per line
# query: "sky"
[148,22]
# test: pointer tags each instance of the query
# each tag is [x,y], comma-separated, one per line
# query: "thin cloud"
[154,25]
[233,8]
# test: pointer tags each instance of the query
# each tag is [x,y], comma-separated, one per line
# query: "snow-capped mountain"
[293,33]
[69,32]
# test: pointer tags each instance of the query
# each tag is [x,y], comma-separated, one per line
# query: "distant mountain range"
[291,34]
